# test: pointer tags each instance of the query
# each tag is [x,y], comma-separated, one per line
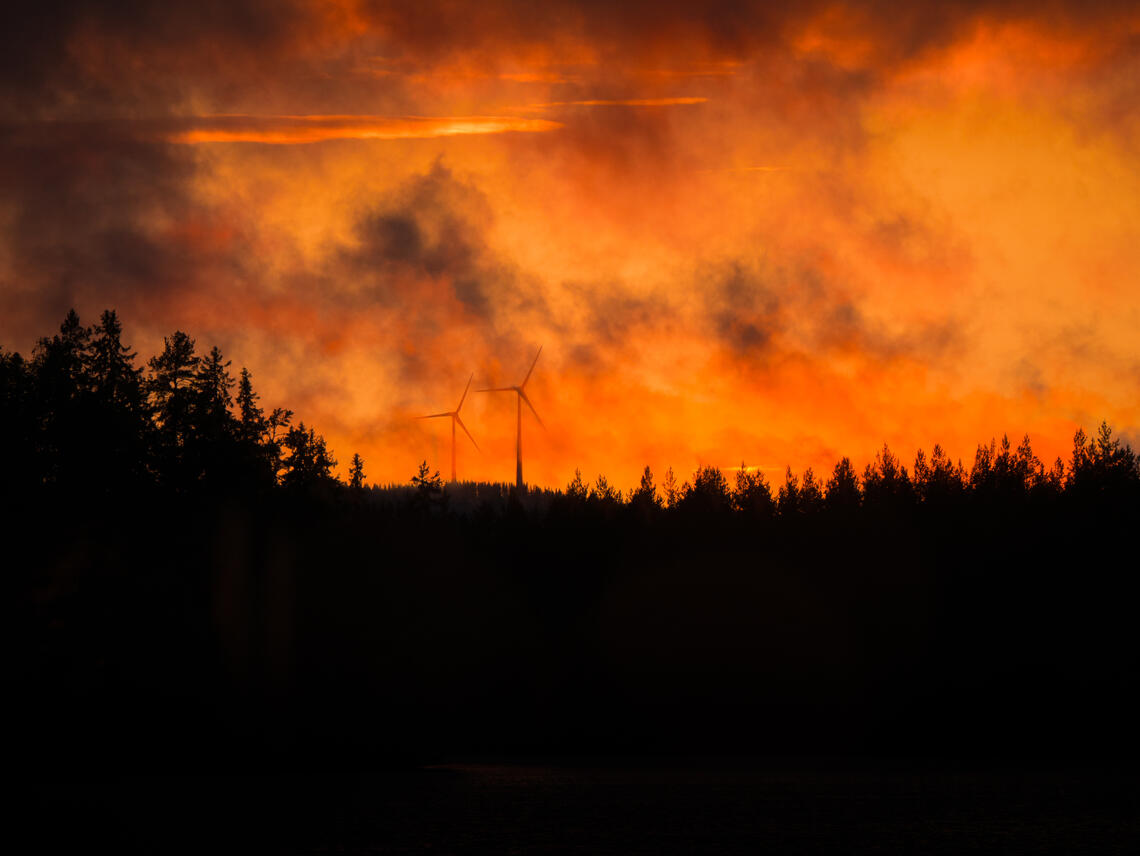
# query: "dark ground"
[616,806]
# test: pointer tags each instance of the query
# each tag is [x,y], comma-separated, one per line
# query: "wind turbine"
[521,391]
[454,414]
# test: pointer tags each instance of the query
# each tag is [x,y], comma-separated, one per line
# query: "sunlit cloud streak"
[295,130]
[626,102]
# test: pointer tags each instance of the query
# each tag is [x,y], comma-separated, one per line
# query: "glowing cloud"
[294,130]
[626,102]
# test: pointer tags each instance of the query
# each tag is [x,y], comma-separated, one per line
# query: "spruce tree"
[356,472]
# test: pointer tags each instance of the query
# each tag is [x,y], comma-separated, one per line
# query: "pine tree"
[171,375]
[427,483]
[114,377]
[842,493]
[250,417]
[577,488]
[788,500]
[811,495]
[604,492]
[212,386]
[308,463]
[709,492]
[752,495]
[646,494]
[62,387]
[356,472]
[670,493]
[121,420]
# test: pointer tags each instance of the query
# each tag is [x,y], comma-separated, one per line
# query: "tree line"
[80,415]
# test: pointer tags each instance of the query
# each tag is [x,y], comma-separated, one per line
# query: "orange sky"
[740,233]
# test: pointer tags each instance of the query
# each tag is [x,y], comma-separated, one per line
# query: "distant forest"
[194,585]
[82,417]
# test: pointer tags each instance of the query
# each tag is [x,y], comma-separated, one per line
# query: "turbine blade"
[497,389]
[434,415]
[536,356]
[532,410]
[468,433]
[459,406]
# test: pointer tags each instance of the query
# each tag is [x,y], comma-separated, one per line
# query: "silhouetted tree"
[20,428]
[670,493]
[62,387]
[356,472]
[1053,481]
[886,483]
[940,481]
[709,492]
[753,495]
[61,361]
[645,496]
[258,456]
[577,489]
[429,489]
[982,472]
[1102,469]
[213,447]
[120,422]
[170,385]
[114,378]
[426,481]
[811,495]
[308,463]
[1027,467]
[212,396]
[251,420]
[788,498]
[605,493]
[277,423]
[842,493]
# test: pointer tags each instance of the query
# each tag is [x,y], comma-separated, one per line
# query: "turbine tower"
[454,414]
[521,391]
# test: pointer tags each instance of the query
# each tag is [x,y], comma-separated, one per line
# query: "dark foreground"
[619,807]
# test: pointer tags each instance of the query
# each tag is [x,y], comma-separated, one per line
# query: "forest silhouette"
[194,585]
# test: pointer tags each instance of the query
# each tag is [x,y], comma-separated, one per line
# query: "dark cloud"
[744,311]
[760,315]
[105,222]
[78,56]
[434,227]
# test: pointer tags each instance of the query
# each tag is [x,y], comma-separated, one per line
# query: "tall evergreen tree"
[308,463]
[170,385]
[709,492]
[19,429]
[842,493]
[670,493]
[212,387]
[811,494]
[114,377]
[646,494]
[171,378]
[753,495]
[577,489]
[250,417]
[121,421]
[356,472]
[62,386]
